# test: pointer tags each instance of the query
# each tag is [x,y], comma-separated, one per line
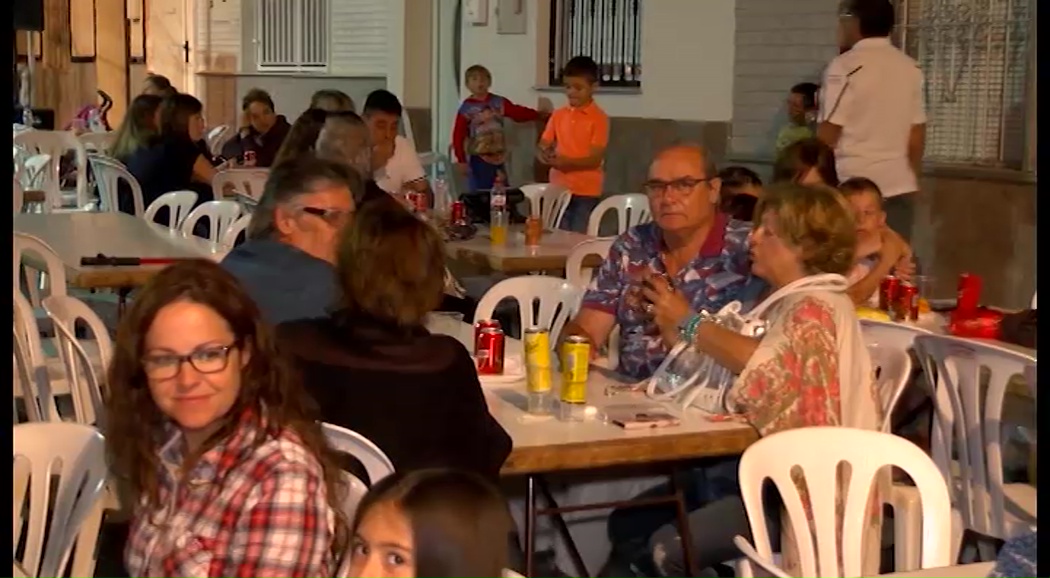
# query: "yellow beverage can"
[575,360]
[538,359]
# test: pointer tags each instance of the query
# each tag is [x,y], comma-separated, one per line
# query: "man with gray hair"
[287,263]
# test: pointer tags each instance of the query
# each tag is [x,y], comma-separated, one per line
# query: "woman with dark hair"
[229,473]
[374,350]
[140,125]
[433,522]
[175,160]
[302,136]
[806,162]
[262,131]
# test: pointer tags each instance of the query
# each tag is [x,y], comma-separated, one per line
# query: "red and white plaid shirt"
[242,511]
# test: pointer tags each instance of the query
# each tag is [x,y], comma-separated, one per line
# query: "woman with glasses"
[228,473]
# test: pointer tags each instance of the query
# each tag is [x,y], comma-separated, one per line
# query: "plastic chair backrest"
[220,214]
[37,250]
[968,424]
[548,202]
[781,456]
[631,209]
[109,172]
[97,141]
[84,384]
[233,232]
[350,442]
[75,454]
[575,272]
[19,195]
[557,298]
[247,182]
[893,368]
[31,364]
[179,204]
[35,171]
[217,137]
[57,143]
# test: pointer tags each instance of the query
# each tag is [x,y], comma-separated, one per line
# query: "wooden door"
[167,41]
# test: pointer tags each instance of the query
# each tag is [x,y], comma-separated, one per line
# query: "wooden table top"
[546,444]
[84,234]
[515,257]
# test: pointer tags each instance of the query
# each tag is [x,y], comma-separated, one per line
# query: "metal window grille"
[978,60]
[292,35]
[609,31]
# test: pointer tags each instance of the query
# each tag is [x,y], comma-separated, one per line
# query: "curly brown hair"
[134,422]
[816,220]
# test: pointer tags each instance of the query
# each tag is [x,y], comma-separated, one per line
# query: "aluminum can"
[575,361]
[249,156]
[888,293]
[490,351]
[538,359]
[533,231]
[459,213]
[969,296]
[481,325]
[907,308]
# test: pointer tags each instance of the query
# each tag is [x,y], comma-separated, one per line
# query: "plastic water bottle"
[498,211]
[27,118]
[441,193]
[94,122]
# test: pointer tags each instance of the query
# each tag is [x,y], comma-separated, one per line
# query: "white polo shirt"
[402,168]
[875,93]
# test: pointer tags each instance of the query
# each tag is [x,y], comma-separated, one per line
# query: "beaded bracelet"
[689,328]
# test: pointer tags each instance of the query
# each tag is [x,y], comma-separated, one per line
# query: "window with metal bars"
[978,58]
[292,35]
[609,31]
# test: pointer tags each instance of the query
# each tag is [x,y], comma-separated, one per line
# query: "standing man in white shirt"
[872,110]
[395,162]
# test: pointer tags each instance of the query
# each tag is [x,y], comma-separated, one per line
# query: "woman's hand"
[667,306]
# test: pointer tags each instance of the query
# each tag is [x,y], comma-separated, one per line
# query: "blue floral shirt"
[720,274]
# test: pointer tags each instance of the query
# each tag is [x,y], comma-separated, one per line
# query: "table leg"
[530,523]
[683,523]
[563,529]
[122,301]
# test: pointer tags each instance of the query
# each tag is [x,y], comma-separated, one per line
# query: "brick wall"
[778,44]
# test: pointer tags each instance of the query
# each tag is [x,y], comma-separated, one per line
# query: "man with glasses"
[689,258]
[287,262]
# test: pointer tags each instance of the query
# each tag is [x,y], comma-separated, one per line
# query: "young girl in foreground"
[435,523]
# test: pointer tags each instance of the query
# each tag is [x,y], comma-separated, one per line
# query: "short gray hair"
[345,138]
[292,179]
[709,165]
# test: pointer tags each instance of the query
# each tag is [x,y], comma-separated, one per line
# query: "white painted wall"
[687,60]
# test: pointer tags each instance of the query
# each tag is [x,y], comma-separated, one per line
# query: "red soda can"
[419,200]
[458,212]
[969,295]
[907,302]
[490,351]
[888,293]
[481,325]
[249,156]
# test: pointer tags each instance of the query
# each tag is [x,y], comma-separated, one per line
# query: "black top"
[414,394]
[265,146]
[166,165]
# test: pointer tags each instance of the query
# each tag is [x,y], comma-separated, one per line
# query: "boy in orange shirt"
[573,144]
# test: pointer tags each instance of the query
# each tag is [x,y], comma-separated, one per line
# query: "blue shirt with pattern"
[717,276]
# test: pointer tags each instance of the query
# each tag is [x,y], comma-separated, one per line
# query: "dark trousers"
[578,213]
[482,175]
[900,214]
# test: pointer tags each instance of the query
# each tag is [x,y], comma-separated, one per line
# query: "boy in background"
[477,138]
[880,250]
[573,144]
[802,115]
[739,194]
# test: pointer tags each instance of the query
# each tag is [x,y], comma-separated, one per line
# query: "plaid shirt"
[242,511]
[717,276]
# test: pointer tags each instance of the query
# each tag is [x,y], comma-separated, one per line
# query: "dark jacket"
[163,166]
[416,395]
[265,146]
[285,283]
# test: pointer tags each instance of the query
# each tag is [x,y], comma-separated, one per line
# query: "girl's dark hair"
[800,156]
[737,205]
[138,127]
[459,520]
[175,113]
[257,95]
[269,392]
[302,137]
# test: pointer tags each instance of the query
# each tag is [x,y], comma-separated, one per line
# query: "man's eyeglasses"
[680,186]
[331,216]
[210,359]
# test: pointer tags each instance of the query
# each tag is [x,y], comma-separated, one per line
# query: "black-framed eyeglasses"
[680,186]
[331,216]
[209,359]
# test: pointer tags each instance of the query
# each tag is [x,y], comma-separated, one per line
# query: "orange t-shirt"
[574,132]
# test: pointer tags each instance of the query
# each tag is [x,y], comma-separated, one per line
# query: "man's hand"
[666,305]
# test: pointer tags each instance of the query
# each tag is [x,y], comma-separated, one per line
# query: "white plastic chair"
[35,170]
[557,298]
[631,209]
[893,373]
[109,173]
[41,253]
[233,232]
[377,465]
[548,202]
[776,457]
[967,427]
[57,143]
[19,195]
[217,137]
[575,272]
[75,454]
[246,182]
[890,334]
[220,215]
[33,380]
[179,204]
[97,141]
[82,371]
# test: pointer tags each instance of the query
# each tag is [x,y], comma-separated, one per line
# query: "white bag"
[692,378]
